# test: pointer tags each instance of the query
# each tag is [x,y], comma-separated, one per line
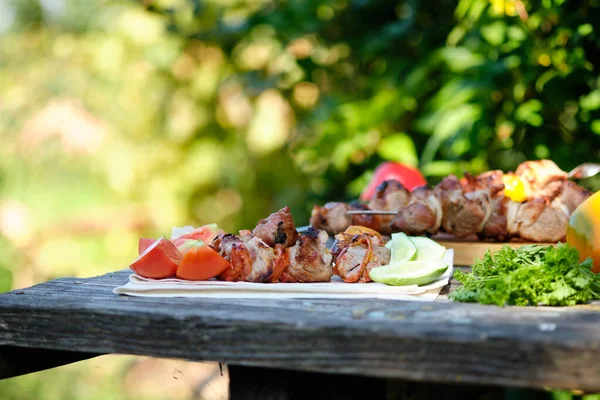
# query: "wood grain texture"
[432,342]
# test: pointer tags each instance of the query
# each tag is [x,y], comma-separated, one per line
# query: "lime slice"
[418,272]
[428,249]
[402,248]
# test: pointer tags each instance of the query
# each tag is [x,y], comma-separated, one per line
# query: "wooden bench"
[296,348]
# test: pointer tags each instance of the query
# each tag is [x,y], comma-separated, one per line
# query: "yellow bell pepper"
[514,188]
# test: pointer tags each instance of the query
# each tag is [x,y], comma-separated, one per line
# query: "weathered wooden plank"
[445,342]
[15,361]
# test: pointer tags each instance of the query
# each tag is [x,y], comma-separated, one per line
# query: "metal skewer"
[584,170]
[371,212]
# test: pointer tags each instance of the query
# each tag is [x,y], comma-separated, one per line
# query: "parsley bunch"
[529,275]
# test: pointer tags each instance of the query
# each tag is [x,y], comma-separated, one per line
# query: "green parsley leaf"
[529,275]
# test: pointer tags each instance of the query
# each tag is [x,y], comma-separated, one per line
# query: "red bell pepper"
[408,176]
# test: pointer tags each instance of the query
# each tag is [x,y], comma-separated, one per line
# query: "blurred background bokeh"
[123,118]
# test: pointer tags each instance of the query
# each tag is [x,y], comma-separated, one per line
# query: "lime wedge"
[402,248]
[418,272]
[428,249]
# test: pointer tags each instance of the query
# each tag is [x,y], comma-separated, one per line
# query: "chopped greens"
[529,275]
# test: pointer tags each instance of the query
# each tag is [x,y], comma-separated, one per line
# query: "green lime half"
[418,272]
[403,249]
[428,249]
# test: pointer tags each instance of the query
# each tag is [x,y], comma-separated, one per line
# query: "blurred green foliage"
[121,119]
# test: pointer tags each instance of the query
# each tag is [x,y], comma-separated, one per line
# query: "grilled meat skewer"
[268,253]
[470,205]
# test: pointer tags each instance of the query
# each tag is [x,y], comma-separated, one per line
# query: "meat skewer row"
[266,255]
[274,252]
[472,205]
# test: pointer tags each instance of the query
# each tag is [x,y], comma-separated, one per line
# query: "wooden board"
[466,252]
[426,342]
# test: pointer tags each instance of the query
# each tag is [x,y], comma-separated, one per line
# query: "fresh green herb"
[529,275]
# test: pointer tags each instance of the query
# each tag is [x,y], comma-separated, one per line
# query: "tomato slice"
[201,263]
[159,260]
[144,243]
[205,233]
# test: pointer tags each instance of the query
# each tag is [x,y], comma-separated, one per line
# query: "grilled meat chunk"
[359,258]
[463,212]
[422,214]
[251,260]
[492,180]
[496,227]
[545,218]
[309,259]
[233,249]
[539,173]
[390,195]
[343,239]
[572,195]
[538,220]
[357,250]
[331,217]
[277,228]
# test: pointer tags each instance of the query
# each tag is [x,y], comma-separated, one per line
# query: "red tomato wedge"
[201,263]
[159,260]
[205,233]
[144,244]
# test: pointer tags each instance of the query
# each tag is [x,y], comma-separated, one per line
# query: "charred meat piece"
[572,195]
[251,260]
[539,173]
[245,235]
[332,217]
[492,180]
[538,220]
[357,250]
[449,183]
[264,259]
[233,249]
[309,259]
[343,239]
[422,214]
[496,227]
[359,258]
[549,192]
[390,195]
[277,228]
[463,213]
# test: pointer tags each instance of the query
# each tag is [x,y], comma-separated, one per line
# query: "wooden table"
[296,348]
